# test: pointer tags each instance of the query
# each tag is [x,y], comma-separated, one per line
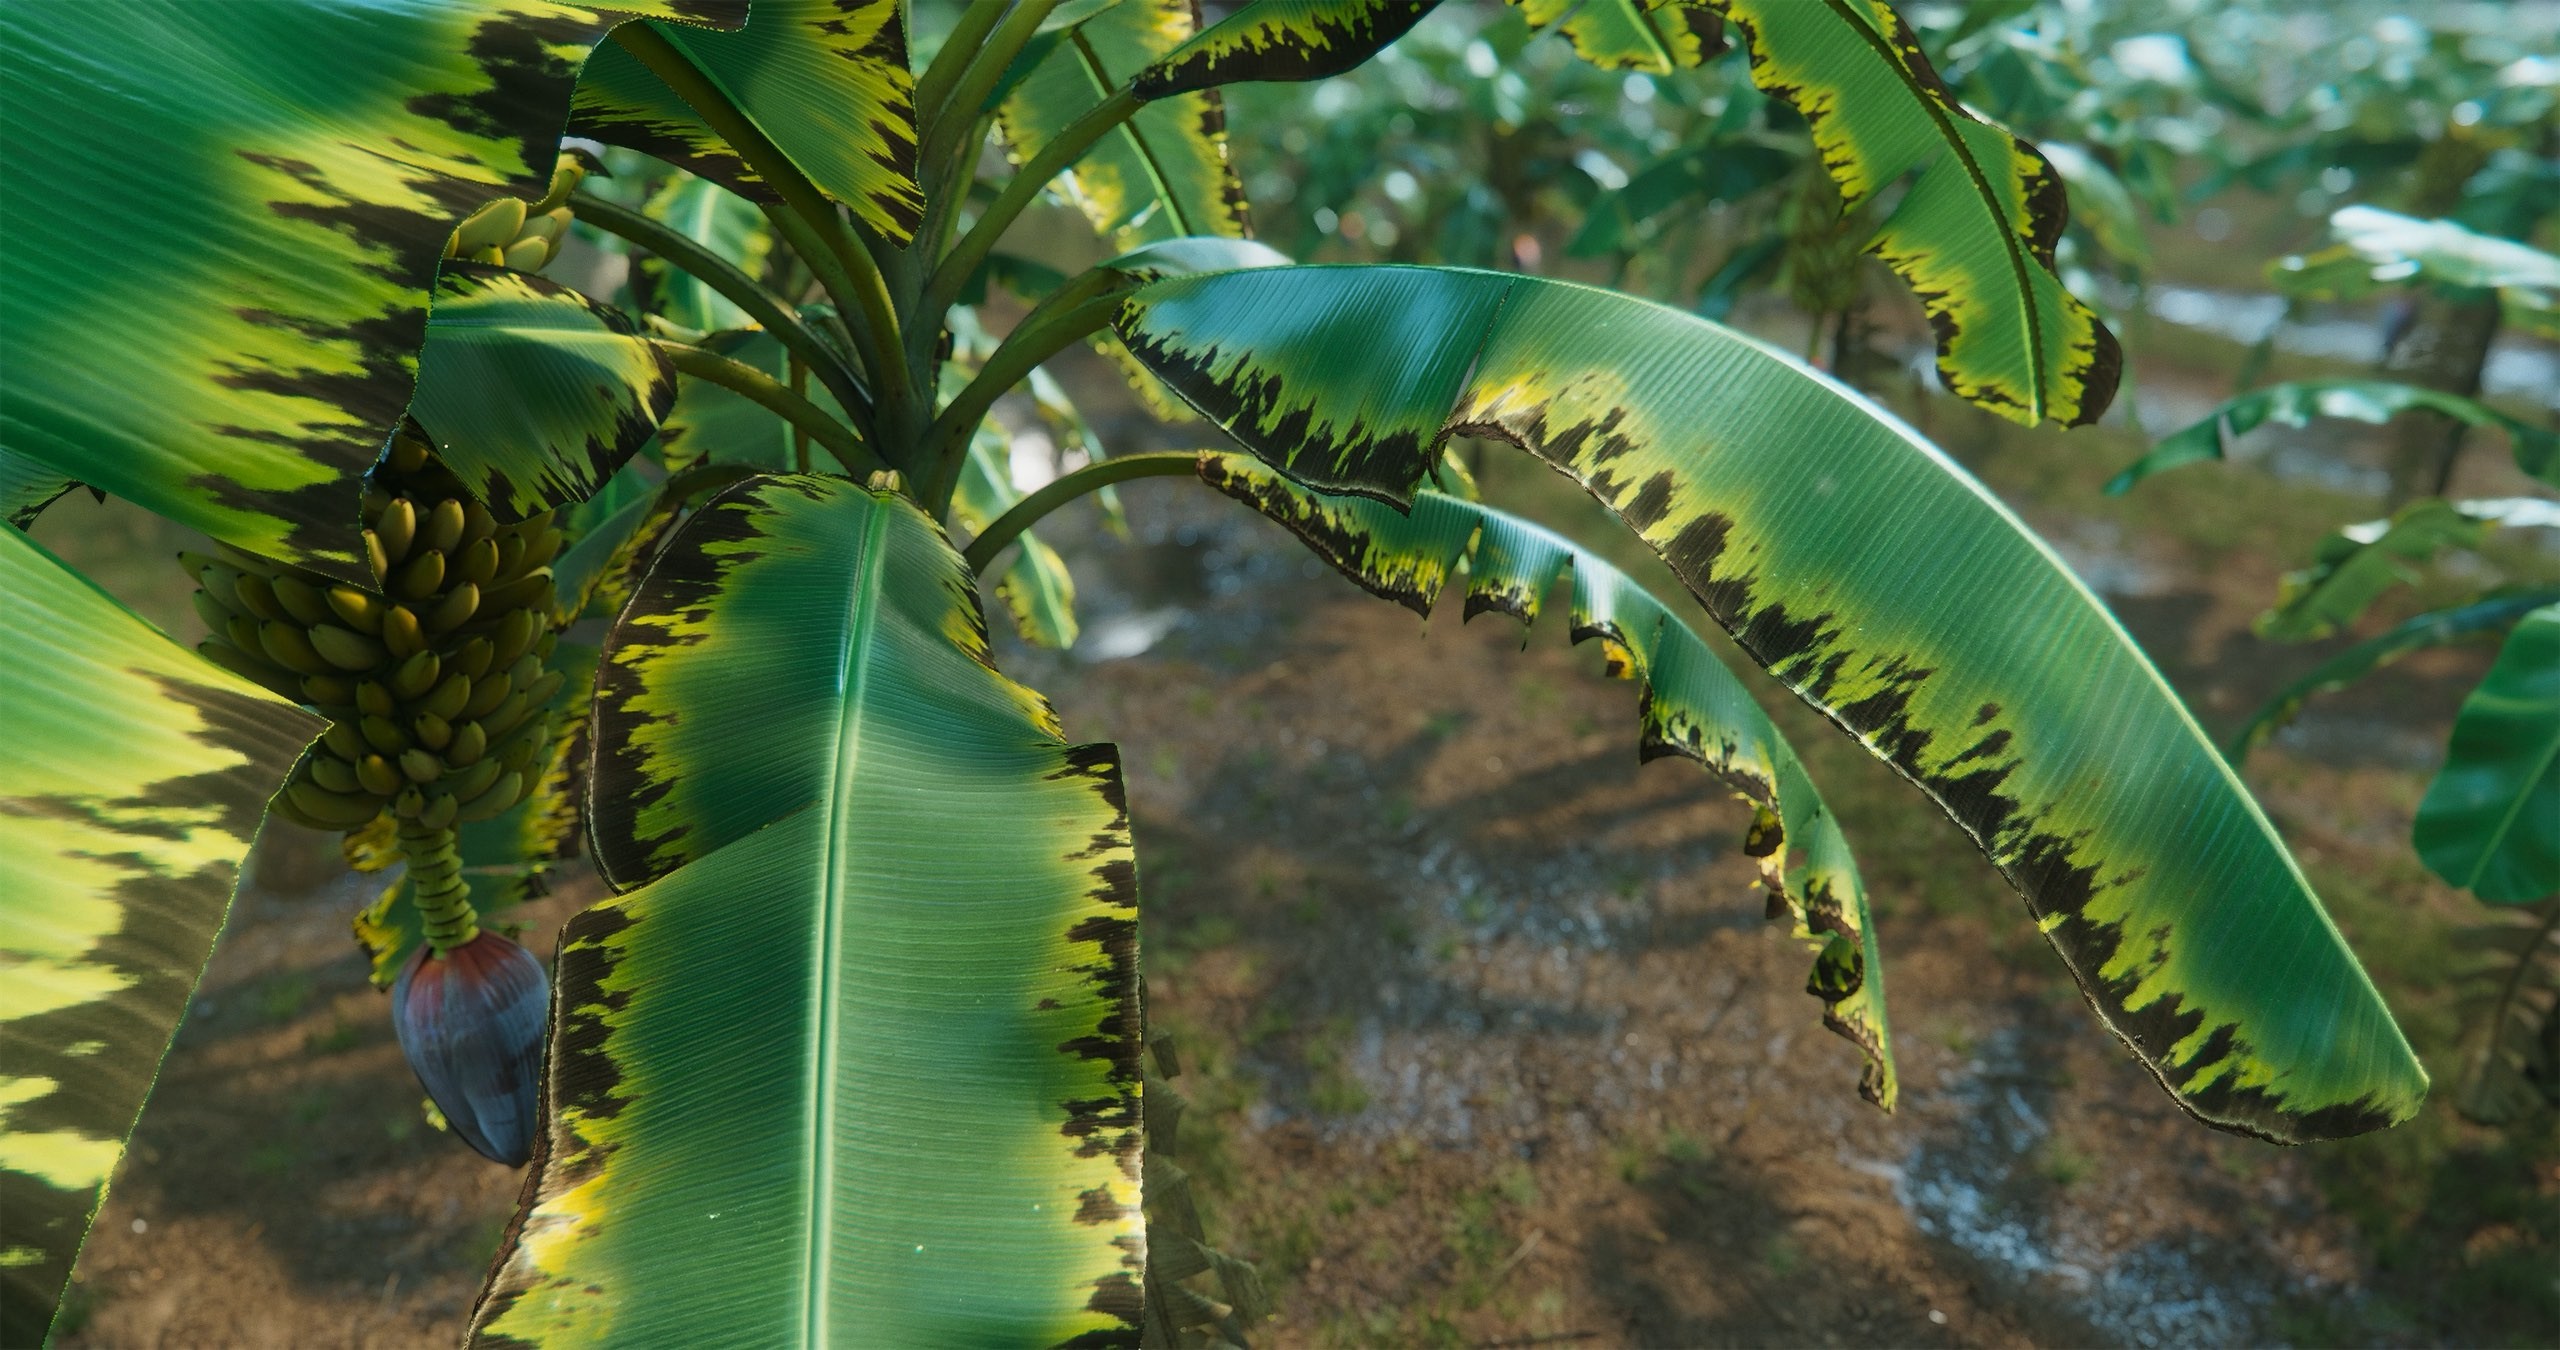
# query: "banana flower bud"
[470,1023]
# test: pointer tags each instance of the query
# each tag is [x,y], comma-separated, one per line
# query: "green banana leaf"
[2351,568]
[1036,588]
[877,895]
[2100,200]
[1880,583]
[1974,232]
[721,221]
[2490,822]
[710,422]
[2513,1069]
[137,776]
[1655,36]
[1282,40]
[27,488]
[2377,247]
[284,178]
[1693,706]
[1725,169]
[1164,173]
[825,80]
[2295,402]
[2436,629]
[533,394]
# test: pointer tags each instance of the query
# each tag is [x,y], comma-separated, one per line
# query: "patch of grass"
[1782,1256]
[283,999]
[2063,1163]
[1444,724]
[1537,696]
[342,1035]
[273,1160]
[312,1107]
[1332,1091]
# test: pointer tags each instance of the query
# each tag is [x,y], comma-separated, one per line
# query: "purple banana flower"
[470,1022]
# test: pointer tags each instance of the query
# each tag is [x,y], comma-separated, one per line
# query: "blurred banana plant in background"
[869,985]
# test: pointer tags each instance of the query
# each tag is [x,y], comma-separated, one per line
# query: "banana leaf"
[2490,821]
[1281,40]
[870,894]
[1693,706]
[2512,1070]
[1655,36]
[1726,169]
[825,80]
[137,776]
[2352,567]
[27,488]
[2295,402]
[285,178]
[2434,629]
[1974,232]
[533,394]
[721,221]
[2377,247]
[1164,172]
[1036,588]
[1875,579]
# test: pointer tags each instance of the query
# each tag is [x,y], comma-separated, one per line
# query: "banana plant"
[853,1053]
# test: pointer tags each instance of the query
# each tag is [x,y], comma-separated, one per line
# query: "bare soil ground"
[1486,1039]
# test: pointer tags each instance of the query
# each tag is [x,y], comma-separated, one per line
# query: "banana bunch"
[435,686]
[508,233]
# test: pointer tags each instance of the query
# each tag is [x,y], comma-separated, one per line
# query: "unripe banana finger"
[332,810]
[476,657]
[447,698]
[383,734]
[416,675]
[469,782]
[531,591]
[510,554]
[495,223]
[303,602]
[398,528]
[442,528]
[501,795]
[258,597]
[378,775]
[243,632]
[409,803]
[502,719]
[525,746]
[545,688]
[408,453]
[344,741]
[439,813]
[373,698]
[489,256]
[528,254]
[525,671]
[345,648]
[401,634]
[432,731]
[469,744]
[420,577]
[217,618]
[378,557]
[287,646]
[334,773]
[515,636]
[419,766]
[329,691]
[458,604]
[478,564]
[357,609]
[487,693]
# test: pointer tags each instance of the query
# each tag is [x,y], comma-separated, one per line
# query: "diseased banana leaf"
[2434,629]
[1874,578]
[284,178]
[1164,173]
[137,774]
[876,894]
[2295,402]
[825,80]
[2490,822]
[1693,706]
[1284,40]
[27,488]
[1655,36]
[533,394]
[1973,233]
[2351,568]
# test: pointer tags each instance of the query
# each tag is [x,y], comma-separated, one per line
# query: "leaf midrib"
[855,676]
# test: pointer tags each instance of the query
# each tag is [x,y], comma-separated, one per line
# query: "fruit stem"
[435,882]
